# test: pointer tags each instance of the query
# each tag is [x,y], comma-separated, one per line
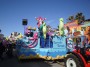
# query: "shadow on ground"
[13,62]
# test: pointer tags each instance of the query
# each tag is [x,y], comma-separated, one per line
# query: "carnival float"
[69,42]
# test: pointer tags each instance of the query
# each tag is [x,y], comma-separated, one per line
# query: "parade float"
[66,43]
[43,43]
[79,45]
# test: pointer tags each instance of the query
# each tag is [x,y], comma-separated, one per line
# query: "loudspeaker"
[0,30]
[24,22]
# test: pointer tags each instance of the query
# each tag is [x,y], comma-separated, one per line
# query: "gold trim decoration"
[49,58]
[38,56]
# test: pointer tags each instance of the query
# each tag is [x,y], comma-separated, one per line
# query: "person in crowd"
[10,50]
[1,50]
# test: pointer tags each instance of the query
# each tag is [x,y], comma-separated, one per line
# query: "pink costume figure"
[40,19]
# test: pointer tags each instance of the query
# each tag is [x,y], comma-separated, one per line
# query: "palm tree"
[80,17]
[70,18]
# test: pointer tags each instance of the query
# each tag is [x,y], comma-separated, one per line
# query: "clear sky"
[13,11]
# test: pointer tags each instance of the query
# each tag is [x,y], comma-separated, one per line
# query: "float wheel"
[72,61]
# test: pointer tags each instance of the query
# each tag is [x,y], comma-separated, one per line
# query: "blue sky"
[13,11]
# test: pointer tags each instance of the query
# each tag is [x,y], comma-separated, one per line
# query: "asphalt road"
[13,62]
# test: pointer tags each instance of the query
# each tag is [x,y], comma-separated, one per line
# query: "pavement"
[14,62]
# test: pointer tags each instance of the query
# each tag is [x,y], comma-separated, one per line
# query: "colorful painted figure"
[40,19]
[42,30]
[61,27]
[87,33]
